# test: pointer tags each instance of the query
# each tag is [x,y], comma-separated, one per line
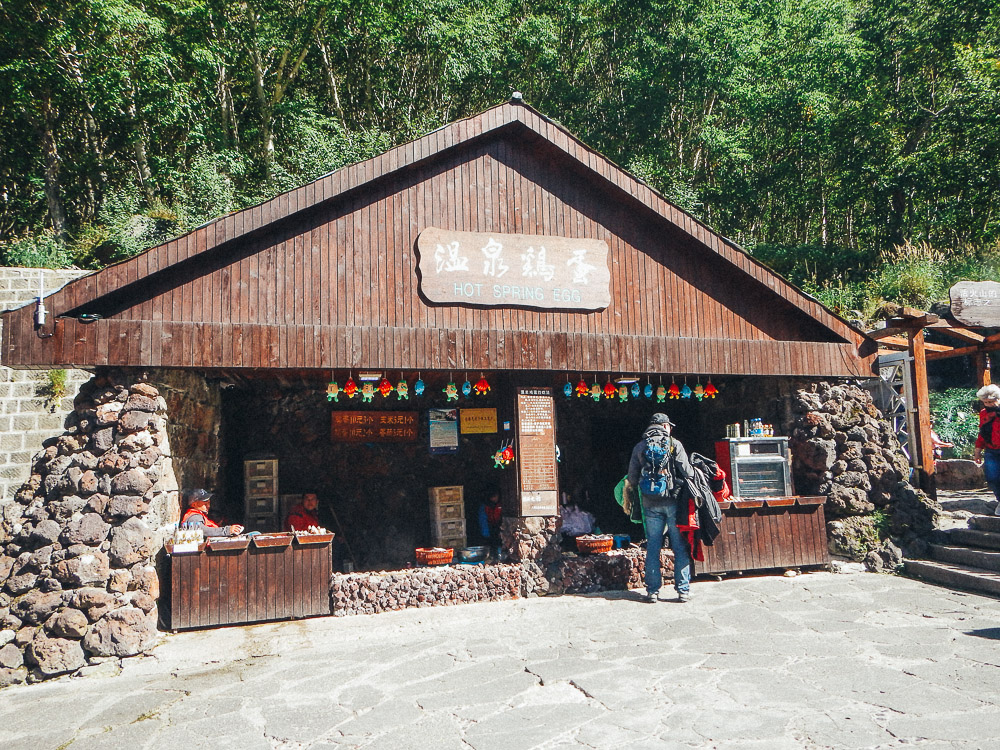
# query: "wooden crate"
[448,511]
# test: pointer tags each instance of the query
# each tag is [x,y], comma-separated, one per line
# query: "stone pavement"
[820,660]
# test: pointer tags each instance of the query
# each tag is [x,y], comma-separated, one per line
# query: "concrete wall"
[27,415]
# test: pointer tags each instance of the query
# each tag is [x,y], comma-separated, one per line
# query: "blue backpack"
[657,478]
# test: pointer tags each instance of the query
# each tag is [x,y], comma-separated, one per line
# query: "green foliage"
[54,389]
[831,129]
[41,250]
[956,420]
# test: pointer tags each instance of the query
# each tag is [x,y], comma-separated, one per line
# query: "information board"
[443,430]
[536,440]
[976,303]
[374,426]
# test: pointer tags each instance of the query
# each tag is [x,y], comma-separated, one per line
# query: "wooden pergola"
[905,332]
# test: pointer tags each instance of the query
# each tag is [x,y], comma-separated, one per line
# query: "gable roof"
[212,246]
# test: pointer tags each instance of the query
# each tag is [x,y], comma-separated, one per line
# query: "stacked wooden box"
[261,494]
[448,517]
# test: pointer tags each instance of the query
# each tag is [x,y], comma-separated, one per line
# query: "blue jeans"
[991,469]
[662,518]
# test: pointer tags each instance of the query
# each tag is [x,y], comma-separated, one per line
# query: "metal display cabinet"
[756,467]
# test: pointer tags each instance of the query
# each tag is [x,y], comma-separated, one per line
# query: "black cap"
[661,418]
[199,496]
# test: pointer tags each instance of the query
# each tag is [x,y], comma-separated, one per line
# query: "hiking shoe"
[651,597]
[996,511]
[683,596]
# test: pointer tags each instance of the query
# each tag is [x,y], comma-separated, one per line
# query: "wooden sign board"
[374,426]
[513,270]
[481,421]
[536,455]
[976,303]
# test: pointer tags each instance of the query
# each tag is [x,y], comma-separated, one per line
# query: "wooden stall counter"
[239,580]
[768,532]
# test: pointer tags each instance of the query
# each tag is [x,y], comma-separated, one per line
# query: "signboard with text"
[520,270]
[374,426]
[481,421]
[976,303]
[536,441]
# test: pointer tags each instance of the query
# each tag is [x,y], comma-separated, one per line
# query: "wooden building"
[499,244]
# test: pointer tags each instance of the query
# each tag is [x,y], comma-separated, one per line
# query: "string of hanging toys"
[378,384]
[625,387]
[504,455]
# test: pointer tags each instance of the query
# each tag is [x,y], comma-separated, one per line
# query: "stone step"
[985,523]
[976,558]
[969,538]
[956,576]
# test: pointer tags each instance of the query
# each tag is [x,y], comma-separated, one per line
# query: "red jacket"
[199,519]
[300,519]
[993,444]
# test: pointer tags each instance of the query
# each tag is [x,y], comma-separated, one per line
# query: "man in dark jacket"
[660,504]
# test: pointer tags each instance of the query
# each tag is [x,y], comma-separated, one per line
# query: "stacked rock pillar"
[534,542]
[77,546]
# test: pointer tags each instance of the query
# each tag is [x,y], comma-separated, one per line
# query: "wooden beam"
[895,341]
[923,449]
[881,333]
[922,321]
[964,351]
[963,334]
[913,314]
[979,369]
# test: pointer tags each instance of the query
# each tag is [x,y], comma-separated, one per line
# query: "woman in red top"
[987,450]
[303,515]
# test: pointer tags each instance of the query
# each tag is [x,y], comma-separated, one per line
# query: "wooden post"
[982,374]
[921,440]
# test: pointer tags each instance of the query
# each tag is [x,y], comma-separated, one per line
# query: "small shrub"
[54,389]
[40,250]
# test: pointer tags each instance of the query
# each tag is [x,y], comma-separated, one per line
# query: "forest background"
[852,145]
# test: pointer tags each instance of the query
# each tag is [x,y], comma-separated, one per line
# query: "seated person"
[303,515]
[490,517]
[198,502]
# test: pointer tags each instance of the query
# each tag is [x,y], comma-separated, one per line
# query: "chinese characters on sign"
[976,303]
[477,268]
[537,460]
[374,427]
[482,421]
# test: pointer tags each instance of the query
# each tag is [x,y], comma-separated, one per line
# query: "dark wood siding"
[334,285]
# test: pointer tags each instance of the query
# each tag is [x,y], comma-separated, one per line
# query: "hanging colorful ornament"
[622,393]
[418,387]
[686,390]
[710,390]
[596,391]
[385,387]
[403,391]
[367,392]
[498,459]
[635,390]
[673,390]
[699,390]
[582,389]
[466,387]
[610,390]
[648,390]
[508,454]
[661,394]
[568,390]
[350,388]
[333,391]
[503,456]
[482,387]
[451,391]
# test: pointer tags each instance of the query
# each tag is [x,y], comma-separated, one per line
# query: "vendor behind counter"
[198,503]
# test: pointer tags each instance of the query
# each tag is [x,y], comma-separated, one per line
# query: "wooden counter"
[762,533]
[246,583]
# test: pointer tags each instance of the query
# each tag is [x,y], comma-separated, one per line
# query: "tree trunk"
[53,165]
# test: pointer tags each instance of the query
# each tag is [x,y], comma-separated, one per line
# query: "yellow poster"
[477,420]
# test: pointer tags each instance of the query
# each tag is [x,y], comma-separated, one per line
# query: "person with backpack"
[659,467]
[987,451]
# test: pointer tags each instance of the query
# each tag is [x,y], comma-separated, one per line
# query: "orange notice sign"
[374,426]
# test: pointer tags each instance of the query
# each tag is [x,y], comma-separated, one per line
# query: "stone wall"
[28,412]
[77,545]
[843,448]
[195,408]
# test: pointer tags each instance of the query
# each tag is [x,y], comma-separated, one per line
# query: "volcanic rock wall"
[77,546]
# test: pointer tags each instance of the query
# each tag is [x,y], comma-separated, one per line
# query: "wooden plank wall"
[337,288]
